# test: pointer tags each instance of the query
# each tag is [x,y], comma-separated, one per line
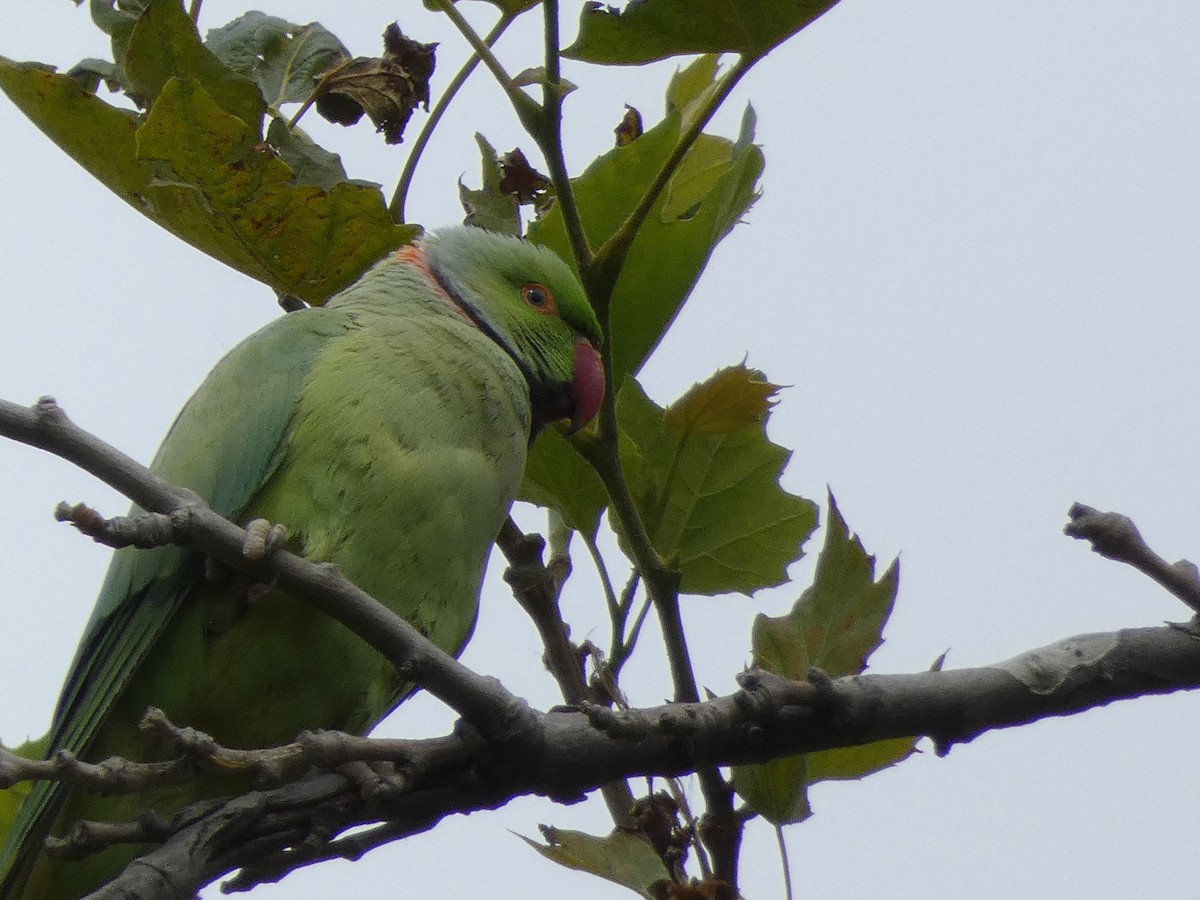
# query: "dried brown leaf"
[387,88]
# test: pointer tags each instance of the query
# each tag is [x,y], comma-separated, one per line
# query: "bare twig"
[1114,536]
[535,589]
[400,195]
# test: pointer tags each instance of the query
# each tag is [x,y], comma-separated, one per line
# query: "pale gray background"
[975,260]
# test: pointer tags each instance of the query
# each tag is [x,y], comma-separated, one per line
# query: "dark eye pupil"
[535,296]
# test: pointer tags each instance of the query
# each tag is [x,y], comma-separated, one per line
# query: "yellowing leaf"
[710,496]
[97,136]
[853,763]
[236,201]
[732,399]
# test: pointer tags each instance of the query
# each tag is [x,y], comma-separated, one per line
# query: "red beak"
[587,385]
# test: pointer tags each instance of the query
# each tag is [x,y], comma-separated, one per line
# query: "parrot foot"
[262,538]
[377,781]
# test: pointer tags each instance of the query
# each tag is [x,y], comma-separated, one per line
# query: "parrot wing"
[224,445]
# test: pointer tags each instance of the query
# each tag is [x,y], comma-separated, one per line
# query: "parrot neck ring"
[581,399]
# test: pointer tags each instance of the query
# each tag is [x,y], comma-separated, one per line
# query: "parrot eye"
[539,297]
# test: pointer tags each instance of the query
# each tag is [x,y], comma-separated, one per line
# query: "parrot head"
[528,301]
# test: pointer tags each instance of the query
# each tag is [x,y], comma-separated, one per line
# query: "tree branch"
[768,718]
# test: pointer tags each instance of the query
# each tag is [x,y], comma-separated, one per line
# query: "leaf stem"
[194,11]
[317,91]
[549,139]
[610,595]
[527,109]
[400,195]
[783,860]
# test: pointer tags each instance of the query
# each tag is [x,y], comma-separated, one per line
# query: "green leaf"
[164,45]
[650,30]
[558,478]
[511,7]
[622,857]
[285,60]
[309,161]
[777,790]
[853,763]
[490,207]
[234,201]
[96,135]
[116,18]
[705,198]
[835,625]
[706,481]
[838,622]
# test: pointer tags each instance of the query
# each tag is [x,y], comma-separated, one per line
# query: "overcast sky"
[975,261]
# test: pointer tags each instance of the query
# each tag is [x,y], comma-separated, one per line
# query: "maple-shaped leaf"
[835,625]
[706,482]
[838,622]
[387,88]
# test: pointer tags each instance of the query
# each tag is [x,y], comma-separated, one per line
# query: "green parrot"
[387,431]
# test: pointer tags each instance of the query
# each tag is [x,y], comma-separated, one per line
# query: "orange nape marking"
[538,297]
[414,255]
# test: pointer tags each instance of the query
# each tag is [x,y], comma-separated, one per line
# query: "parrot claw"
[262,538]
[377,781]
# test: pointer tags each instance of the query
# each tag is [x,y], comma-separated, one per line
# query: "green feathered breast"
[388,433]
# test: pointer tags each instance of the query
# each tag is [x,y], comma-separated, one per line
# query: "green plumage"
[387,431]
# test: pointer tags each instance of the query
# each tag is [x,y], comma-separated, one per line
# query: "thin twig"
[535,590]
[526,108]
[400,195]
[1114,536]
[549,139]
